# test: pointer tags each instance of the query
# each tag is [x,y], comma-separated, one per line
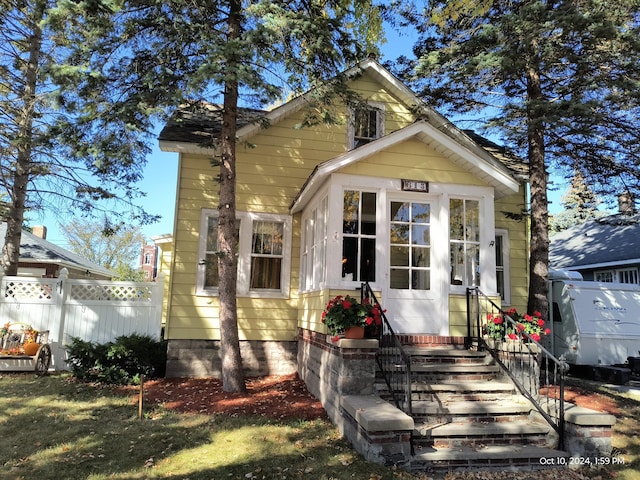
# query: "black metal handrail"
[535,371]
[393,361]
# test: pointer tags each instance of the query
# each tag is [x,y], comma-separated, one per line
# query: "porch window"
[359,236]
[263,250]
[315,247]
[366,125]
[464,241]
[410,246]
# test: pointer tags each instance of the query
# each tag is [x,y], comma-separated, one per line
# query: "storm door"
[414,298]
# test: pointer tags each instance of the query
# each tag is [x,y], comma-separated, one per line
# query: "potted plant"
[497,328]
[532,325]
[344,315]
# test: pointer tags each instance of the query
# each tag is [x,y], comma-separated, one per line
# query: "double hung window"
[366,125]
[263,250]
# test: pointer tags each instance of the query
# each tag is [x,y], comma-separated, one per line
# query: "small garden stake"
[140,397]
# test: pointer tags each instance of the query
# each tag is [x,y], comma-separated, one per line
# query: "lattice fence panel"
[111,293]
[28,290]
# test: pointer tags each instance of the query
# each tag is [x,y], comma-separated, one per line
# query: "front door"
[414,297]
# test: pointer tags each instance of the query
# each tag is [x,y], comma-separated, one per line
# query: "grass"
[626,438]
[54,428]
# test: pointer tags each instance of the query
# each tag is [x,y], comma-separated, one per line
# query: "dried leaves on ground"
[286,397]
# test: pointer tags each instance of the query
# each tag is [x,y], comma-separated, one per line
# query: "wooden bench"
[15,338]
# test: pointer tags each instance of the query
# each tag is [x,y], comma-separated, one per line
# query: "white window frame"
[616,275]
[379,108]
[627,273]
[487,231]
[313,261]
[244,255]
[506,265]
[359,236]
[466,243]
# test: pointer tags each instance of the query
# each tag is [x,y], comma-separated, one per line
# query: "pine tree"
[580,205]
[556,79]
[246,55]
[61,145]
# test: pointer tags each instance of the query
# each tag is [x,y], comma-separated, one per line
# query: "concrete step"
[447,355]
[463,434]
[440,372]
[448,391]
[460,391]
[504,457]
[508,409]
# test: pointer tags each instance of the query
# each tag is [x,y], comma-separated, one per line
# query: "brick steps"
[468,415]
[461,434]
[496,456]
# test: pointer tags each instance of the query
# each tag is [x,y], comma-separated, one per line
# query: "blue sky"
[159,183]
[160,173]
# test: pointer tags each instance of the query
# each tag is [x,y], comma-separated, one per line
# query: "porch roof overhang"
[463,153]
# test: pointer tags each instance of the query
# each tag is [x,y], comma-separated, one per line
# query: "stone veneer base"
[201,358]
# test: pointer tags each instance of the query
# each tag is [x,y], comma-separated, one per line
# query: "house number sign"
[415,185]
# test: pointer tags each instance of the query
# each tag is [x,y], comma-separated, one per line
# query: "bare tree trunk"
[232,373]
[539,256]
[15,214]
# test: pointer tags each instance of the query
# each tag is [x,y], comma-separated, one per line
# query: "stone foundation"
[587,433]
[201,358]
[341,375]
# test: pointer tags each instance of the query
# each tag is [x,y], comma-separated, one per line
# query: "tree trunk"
[539,256]
[232,373]
[21,176]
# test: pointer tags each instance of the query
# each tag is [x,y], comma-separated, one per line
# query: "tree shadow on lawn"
[52,428]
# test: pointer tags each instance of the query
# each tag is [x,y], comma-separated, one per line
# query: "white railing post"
[59,316]
[157,300]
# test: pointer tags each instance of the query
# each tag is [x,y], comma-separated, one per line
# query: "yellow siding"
[413,159]
[458,314]
[270,174]
[519,246]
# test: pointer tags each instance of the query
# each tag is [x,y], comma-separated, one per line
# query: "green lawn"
[54,428]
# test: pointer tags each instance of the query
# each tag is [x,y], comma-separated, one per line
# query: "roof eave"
[184,147]
[494,174]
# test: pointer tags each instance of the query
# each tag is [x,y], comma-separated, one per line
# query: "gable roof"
[492,163]
[38,250]
[606,241]
[491,171]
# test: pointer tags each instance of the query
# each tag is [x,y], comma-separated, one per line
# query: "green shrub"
[120,362]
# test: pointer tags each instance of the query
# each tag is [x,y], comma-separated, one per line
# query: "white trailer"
[594,323]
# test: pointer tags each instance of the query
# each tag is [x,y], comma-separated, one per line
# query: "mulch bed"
[281,397]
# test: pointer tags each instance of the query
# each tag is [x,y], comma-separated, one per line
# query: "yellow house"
[399,199]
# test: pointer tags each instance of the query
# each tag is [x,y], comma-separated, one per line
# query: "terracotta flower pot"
[30,348]
[354,332]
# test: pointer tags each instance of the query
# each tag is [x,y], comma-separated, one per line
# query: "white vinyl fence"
[93,310]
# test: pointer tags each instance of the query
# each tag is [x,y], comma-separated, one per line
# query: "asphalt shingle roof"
[36,249]
[610,239]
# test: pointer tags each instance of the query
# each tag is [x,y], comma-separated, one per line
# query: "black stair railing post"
[393,361]
[548,398]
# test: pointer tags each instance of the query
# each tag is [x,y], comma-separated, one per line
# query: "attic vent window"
[366,125]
